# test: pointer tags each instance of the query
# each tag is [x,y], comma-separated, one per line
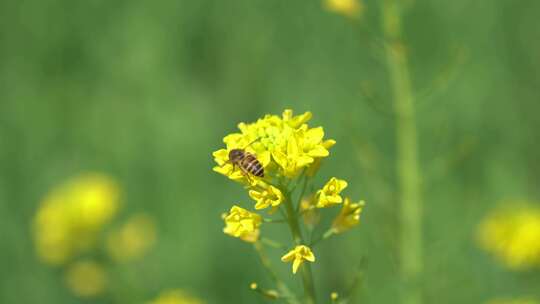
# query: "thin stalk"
[283,289]
[307,276]
[407,167]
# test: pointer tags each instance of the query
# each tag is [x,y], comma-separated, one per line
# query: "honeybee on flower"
[274,157]
[285,145]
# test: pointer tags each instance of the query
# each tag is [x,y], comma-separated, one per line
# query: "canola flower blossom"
[241,223]
[298,255]
[175,296]
[512,234]
[291,152]
[329,194]
[348,217]
[86,279]
[284,145]
[267,196]
[71,216]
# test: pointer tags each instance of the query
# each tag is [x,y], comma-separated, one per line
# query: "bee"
[247,162]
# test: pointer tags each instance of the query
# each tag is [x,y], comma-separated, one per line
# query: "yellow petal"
[315,135]
[296,264]
[310,257]
[289,256]
[318,151]
[292,146]
[304,160]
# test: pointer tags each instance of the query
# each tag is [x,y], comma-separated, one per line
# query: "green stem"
[307,276]
[408,172]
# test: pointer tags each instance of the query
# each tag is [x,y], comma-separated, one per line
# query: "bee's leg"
[245,173]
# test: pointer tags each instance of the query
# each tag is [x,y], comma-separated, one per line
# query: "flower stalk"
[307,275]
[408,172]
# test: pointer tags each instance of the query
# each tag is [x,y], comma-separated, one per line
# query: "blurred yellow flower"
[71,216]
[513,301]
[512,234]
[298,255]
[86,279]
[284,145]
[243,224]
[133,239]
[348,217]
[175,296]
[266,196]
[348,8]
[329,194]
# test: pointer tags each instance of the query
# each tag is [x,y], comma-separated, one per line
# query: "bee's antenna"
[256,140]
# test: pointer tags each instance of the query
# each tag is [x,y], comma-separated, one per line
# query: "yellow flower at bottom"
[243,224]
[329,194]
[175,296]
[298,255]
[348,217]
[86,279]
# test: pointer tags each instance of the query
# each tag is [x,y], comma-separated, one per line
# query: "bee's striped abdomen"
[250,164]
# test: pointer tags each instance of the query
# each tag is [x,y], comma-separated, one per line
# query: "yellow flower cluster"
[71,216]
[69,226]
[290,153]
[512,234]
[175,296]
[286,145]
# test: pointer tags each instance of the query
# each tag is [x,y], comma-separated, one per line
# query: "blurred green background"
[144,92]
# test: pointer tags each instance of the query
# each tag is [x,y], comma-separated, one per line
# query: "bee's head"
[236,155]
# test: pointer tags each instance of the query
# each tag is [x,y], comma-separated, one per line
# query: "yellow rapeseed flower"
[266,196]
[133,239]
[71,216]
[512,234]
[348,217]
[86,279]
[283,145]
[298,255]
[329,194]
[348,8]
[175,296]
[243,224]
